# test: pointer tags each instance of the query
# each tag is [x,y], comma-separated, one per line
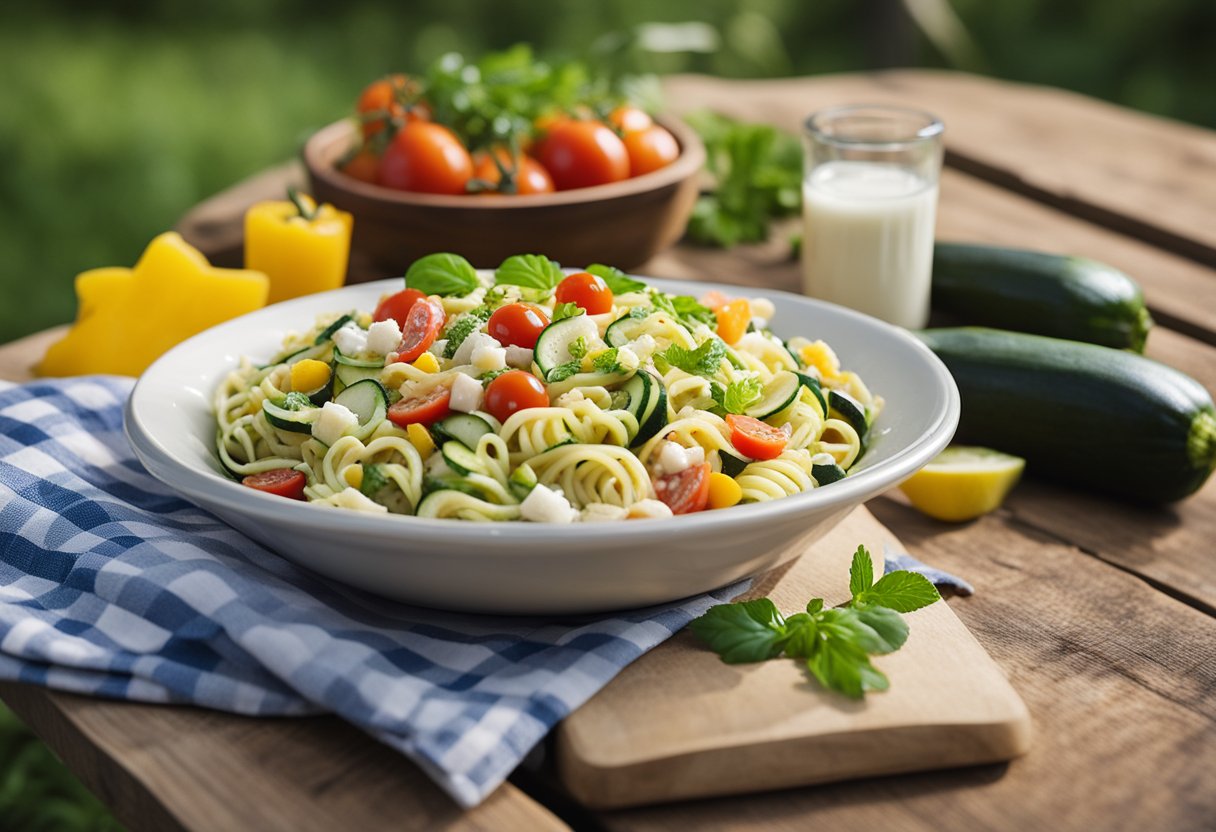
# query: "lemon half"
[963,482]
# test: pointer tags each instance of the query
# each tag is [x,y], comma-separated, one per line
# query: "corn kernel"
[353,474]
[308,375]
[428,363]
[724,492]
[421,439]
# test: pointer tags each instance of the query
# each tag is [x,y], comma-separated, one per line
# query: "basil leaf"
[901,591]
[619,282]
[530,270]
[442,274]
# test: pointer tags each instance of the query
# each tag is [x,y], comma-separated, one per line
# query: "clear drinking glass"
[869,197]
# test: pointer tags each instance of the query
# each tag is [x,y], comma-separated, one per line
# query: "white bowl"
[524,567]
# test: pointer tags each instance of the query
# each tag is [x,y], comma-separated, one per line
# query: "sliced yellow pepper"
[427,363]
[300,247]
[309,374]
[724,492]
[421,439]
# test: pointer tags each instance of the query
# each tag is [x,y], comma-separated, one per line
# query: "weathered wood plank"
[170,768]
[1118,678]
[1138,174]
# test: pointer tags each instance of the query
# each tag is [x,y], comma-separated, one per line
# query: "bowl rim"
[853,490]
[318,155]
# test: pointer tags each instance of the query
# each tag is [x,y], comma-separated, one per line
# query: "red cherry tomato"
[512,391]
[363,166]
[580,154]
[651,149]
[587,291]
[426,158]
[755,439]
[387,97]
[517,324]
[685,491]
[283,482]
[421,328]
[397,306]
[423,410]
[629,119]
[526,178]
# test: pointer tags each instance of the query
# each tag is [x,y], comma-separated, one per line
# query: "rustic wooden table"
[1101,613]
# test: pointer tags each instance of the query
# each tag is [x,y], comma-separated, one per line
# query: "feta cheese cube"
[333,422]
[519,357]
[488,359]
[464,353]
[643,346]
[675,458]
[383,337]
[544,505]
[466,394]
[350,340]
[628,359]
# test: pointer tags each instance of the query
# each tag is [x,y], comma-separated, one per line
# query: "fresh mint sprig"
[704,360]
[835,643]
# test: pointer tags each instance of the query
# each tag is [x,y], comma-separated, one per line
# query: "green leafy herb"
[442,274]
[689,309]
[616,280]
[639,312]
[530,270]
[705,360]
[563,371]
[374,480]
[294,401]
[463,327]
[837,643]
[578,348]
[736,397]
[566,310]
[488,376]
[606,362]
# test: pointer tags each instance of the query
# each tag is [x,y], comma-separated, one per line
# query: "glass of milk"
[869,200]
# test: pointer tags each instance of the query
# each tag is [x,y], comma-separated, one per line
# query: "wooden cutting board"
[678,723]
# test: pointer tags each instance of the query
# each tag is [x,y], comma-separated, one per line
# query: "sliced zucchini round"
[844,406]
[285,415]
[778,394]
[368,400]
[732,465]
[461,459]
[825,474]
[811,383]
[553,344]
[328,333]
[317,351]
[522,481]
[350,374]
[648,404]
[377,362]
[660,326]
[465,428]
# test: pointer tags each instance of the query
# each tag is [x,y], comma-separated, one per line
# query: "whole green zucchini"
[1047,294]
[1104,419]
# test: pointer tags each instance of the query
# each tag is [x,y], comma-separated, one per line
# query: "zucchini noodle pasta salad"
[535,394]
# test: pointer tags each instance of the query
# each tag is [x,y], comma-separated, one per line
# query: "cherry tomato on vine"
[629,119]
[397,306]
[650,149]
[528,178]
[685,491]
[755,439]
[282,482]
[517,324]
[387,96]
[586,291]
[364,166]
[513,391]
[426,158]
[421,328]
[580,154]
[426,409]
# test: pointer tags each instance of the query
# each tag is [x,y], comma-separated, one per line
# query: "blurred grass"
[116,118]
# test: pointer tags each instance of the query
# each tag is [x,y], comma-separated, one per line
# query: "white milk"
[869,239]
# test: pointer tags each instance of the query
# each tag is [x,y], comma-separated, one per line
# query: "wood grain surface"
[680,723]
[1099,612]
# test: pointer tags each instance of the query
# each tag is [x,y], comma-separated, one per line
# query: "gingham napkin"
[112,586]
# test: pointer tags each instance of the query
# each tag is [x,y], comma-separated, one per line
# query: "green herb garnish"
[566,310]
[616,280]
[530,270]
[705,360]
[606,362]
[463,327]
[442,274]
[737,396]
[374,480]
[837,643]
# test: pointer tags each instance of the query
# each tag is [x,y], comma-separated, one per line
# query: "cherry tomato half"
[587,291]
[526,178]
[629,119]
[397,306]
[685,491]
[426,158]
[420,329]
[650,149]
[427,409]
[517,324]
[580,154]
[283,482]
[512,391]
[755,439]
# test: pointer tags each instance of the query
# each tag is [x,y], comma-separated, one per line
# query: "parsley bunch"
[835,643]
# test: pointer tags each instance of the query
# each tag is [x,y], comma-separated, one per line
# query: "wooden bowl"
[622,224]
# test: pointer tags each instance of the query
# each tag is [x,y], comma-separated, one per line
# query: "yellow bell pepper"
[427,363]
[302,248]
[724,492]
[309,374]
[127,318]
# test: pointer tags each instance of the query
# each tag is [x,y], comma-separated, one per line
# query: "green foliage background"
[116,117]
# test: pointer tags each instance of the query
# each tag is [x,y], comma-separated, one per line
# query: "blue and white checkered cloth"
[111,586]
